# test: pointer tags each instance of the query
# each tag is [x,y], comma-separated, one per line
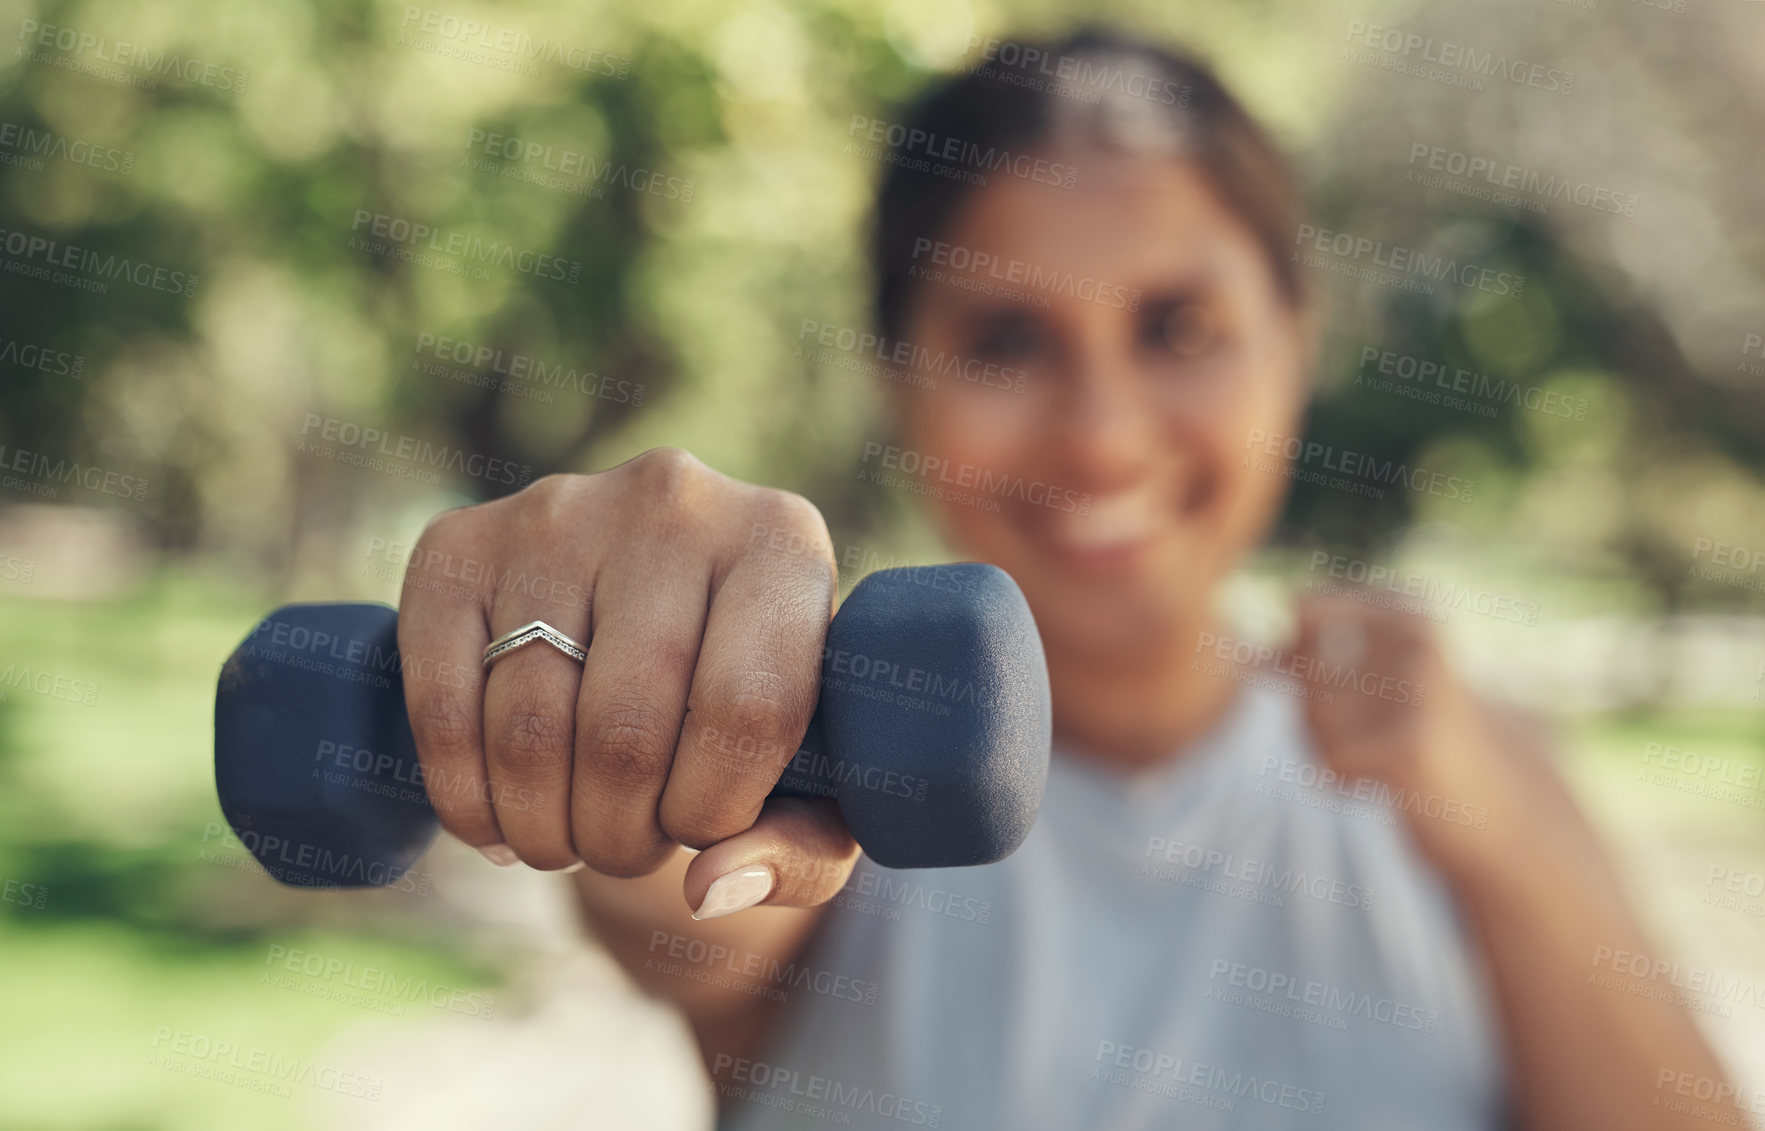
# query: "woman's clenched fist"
[704,643]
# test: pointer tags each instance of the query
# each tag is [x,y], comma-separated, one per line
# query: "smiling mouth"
[1113,524]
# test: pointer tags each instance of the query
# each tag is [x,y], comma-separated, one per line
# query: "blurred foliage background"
[691,166]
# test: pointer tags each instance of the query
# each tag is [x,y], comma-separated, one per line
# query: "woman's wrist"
[1523,835]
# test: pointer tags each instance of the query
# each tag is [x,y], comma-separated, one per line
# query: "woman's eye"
[1183,329]
[1007,340]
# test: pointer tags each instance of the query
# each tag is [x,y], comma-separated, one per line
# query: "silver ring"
[527,634]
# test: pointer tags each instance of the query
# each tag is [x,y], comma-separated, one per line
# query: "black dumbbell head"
[314,762]
[936,715]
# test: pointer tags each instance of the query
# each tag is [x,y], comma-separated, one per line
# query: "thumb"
[798,853]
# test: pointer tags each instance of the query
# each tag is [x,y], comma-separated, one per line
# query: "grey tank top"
[1221,942]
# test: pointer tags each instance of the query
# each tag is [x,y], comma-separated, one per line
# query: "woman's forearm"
[1590,1047]
[1589,1044]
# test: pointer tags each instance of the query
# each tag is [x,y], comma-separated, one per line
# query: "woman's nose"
[1105,424]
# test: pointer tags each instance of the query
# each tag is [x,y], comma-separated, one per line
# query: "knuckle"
[534,741]
[449,526]
[620,858]
[447,536]
[760,716]
[665,495]
[700,830]
[670,477]
[789,509]
[549,489]
[667,464]
[629,745]
[739,753]
[468,821]
[784,520]
[552,500]
[443,726]
[706,812]
[546,855]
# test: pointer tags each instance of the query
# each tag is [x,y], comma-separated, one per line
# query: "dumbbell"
[931,731]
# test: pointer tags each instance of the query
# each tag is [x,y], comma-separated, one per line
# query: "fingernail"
[499,854]
[736,891]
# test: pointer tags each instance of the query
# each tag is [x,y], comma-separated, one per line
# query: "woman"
[1256,896]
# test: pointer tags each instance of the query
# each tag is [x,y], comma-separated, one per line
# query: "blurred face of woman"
[1147,407]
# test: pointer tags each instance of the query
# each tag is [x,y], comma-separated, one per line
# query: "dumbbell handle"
[931,731]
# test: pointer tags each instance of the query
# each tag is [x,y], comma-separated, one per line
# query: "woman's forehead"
[1126,220]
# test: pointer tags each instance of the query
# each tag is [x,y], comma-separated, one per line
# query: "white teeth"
[1111,520]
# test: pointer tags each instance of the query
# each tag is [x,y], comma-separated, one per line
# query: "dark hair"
[1101,87]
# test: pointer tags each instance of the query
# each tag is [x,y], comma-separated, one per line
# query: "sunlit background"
[690,174]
